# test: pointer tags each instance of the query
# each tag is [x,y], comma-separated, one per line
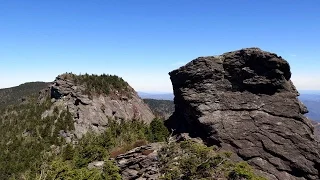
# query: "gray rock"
[93,114]
[130,174]
[96,165]
[140,163]
[244,101]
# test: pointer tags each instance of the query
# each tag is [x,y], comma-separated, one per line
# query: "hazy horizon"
[303,91]
[142,41]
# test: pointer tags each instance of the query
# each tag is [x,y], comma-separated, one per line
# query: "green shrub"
[88,154]
[243,170]
[111,172]
[64,170]
[158,131]
[191,160]
[68,152]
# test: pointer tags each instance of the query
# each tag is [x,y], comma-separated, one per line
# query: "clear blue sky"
[142,40]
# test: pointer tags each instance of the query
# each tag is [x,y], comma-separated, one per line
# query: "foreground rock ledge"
[244,101]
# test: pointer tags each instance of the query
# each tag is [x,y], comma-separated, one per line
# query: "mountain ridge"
[73,106]
[60,134]
[17,94]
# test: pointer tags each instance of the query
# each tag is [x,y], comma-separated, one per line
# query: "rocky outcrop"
[140,163]
[244,101]
[93,113]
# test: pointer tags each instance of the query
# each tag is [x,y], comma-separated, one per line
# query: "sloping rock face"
[140,163]
[244,101]
[93,113]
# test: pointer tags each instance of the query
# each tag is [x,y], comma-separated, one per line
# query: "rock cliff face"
[93,113]
[244,101]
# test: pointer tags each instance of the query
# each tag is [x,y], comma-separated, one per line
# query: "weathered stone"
[130,174]
[93,114]
[244,101]
[96,165]
[316,129]
[140,163]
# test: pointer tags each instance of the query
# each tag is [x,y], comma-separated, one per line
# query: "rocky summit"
[245,102]
[93,111]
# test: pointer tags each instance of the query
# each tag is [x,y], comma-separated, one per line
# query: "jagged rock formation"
[93,112]
[140,163]
[244,101]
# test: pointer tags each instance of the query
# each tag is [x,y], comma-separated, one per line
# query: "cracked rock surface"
[93,113]
[244,101]
[140,163]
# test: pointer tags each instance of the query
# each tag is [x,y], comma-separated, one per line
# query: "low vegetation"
[189,160]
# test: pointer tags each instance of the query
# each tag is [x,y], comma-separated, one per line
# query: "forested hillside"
[32,146]
[14,95]
[161,108]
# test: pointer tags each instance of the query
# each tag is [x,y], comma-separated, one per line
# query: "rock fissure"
[296,171]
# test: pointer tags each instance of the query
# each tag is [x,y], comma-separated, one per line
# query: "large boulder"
[244,101]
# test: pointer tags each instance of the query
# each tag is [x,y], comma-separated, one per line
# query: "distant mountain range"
[310,98]
[160,96]
[312,101]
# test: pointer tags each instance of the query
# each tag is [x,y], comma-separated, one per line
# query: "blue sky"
[142,40]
